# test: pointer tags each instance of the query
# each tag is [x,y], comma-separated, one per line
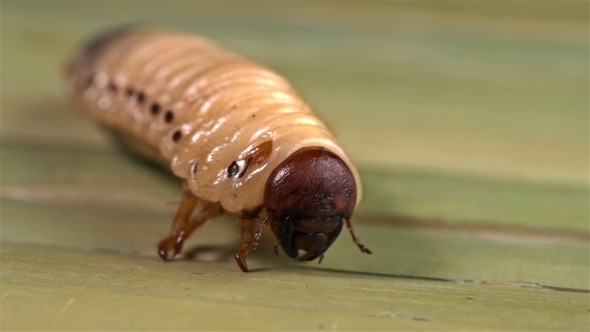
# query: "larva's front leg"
[183,226]
[247,241]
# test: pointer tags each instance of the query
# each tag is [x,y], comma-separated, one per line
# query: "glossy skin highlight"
[227,127]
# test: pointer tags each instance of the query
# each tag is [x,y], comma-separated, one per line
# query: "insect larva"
[235,132]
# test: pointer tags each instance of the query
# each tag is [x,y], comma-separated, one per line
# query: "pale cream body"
[223,104]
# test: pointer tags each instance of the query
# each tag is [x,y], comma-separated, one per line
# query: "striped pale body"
[198,108]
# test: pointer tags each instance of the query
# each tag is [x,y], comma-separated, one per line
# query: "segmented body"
[218,120]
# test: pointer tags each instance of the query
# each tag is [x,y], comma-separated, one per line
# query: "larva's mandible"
[235,132]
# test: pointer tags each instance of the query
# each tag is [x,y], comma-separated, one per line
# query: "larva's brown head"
[307,196]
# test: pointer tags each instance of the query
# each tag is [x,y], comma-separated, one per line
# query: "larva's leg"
[185,209]
[209,211]
[355,238]
[182,228]
[247,241]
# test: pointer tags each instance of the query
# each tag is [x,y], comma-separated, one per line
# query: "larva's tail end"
[74,67]
[92,49]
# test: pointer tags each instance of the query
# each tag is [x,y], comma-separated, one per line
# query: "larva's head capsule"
[307,197]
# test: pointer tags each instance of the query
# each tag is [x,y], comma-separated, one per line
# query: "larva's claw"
[172,242]
[365,250]
[178,244]
[241,262]
[162,252]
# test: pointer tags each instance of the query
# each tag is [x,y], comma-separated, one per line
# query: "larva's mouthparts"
[307,196]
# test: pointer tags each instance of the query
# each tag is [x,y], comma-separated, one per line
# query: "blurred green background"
[469,122]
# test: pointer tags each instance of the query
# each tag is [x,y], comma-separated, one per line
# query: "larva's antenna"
[259,232]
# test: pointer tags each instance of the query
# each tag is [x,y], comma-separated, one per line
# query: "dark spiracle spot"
[129,92]
[194,169]
[113,87]
[140,97]
[232,169]
[155,108]
[176,136]
[169,116]
[89,81]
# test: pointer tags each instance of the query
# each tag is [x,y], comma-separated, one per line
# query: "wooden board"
[121,292]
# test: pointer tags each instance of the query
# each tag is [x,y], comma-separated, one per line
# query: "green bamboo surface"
[469,124]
